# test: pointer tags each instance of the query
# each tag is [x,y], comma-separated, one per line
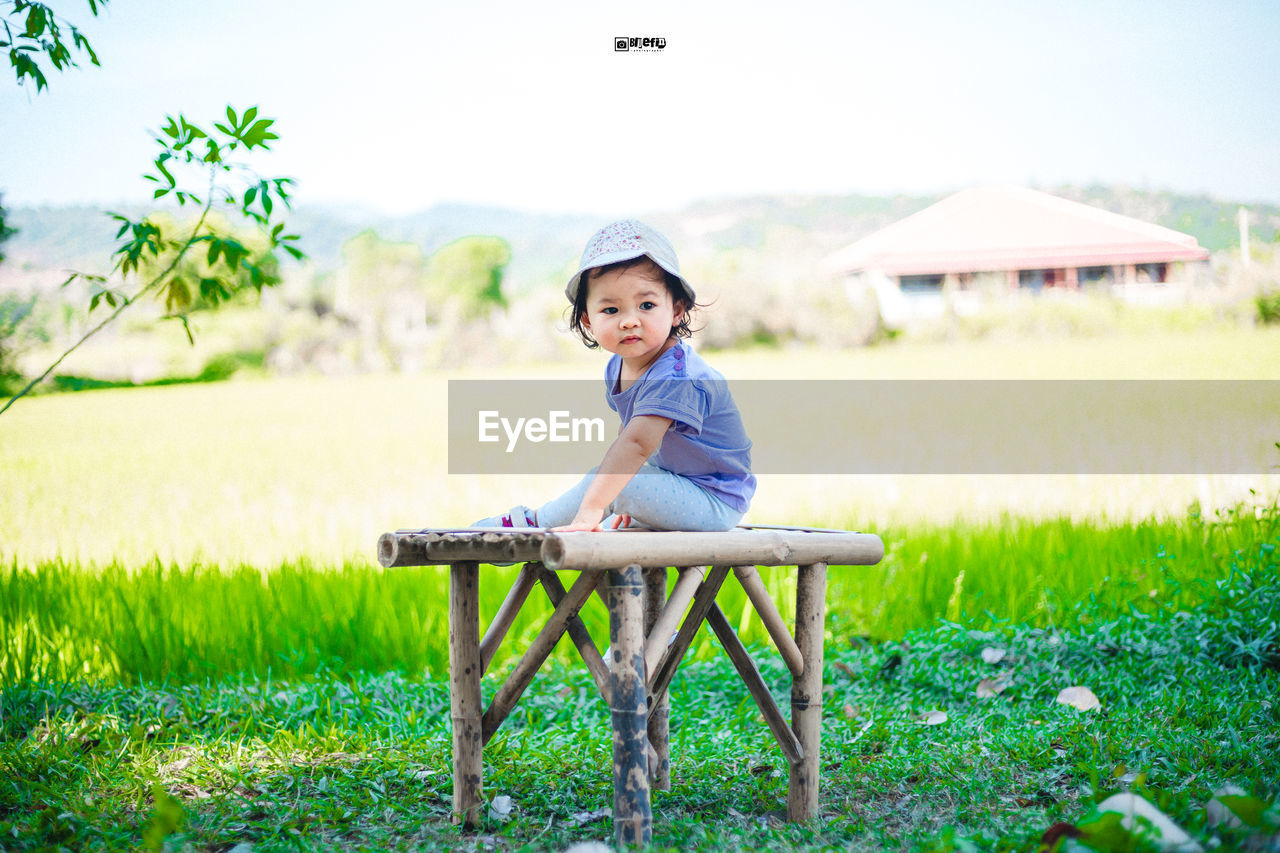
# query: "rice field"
[182,623]
[188,531]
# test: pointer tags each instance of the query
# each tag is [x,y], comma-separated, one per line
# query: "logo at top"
[638,43]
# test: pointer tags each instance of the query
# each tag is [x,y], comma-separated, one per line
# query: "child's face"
[630,312]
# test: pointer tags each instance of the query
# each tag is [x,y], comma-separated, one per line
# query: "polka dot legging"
[655,498]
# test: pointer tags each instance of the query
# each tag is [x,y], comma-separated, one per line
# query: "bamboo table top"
[616,549]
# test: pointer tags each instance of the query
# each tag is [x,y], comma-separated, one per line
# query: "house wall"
[908,300]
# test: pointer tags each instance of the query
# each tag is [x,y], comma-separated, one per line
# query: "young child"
[682,460]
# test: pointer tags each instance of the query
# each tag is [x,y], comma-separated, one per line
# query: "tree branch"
[195,232]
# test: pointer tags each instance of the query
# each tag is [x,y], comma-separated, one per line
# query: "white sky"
[400,104]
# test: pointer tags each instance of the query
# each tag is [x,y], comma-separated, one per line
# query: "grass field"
[189,600]
[138,502]
[185,623]
[263,472]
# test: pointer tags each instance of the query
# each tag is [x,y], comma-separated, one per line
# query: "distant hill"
[544,246]
[82,238]
[1209,220]
[835,221]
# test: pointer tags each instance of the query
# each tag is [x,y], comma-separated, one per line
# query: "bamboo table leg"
[632,813]
[464,690]
[655,596]
[806,691]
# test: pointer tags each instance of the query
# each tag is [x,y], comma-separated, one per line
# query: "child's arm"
[635,444]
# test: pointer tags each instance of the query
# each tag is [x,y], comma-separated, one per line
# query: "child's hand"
[586,520]
[637,442]
[583,523]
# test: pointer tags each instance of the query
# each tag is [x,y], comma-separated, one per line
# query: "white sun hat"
[626,240]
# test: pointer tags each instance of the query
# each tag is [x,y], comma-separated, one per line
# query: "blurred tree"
[382,287]
[6,231]
[32,31]
[374,269]
[15,335]
[468,273]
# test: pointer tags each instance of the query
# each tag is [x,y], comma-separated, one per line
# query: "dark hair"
[683,326]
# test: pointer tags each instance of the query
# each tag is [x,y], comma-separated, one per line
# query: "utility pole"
[1242,219]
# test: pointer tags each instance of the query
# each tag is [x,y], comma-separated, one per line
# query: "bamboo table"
[629,570]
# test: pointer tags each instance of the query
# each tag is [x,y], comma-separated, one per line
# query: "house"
[1004,242]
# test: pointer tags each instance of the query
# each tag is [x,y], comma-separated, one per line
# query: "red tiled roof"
[1011,228]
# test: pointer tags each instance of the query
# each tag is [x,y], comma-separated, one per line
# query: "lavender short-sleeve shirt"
[706,442]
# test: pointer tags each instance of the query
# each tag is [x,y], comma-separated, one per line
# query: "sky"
[398,105]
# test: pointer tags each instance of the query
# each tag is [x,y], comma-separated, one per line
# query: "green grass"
[218,369]
[360,760]
[61,621]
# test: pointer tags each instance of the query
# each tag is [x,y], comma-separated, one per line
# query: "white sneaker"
[517,517]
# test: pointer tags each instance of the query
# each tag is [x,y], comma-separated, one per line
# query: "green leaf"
[59,55]
[259,134]
[168,176]
[35,22]
[26,67]
[1106,832]
[1248,809]
[249,196]
[249,115]
[177,295]
[94,300]
[233,252]
[231,118]
[83,44]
